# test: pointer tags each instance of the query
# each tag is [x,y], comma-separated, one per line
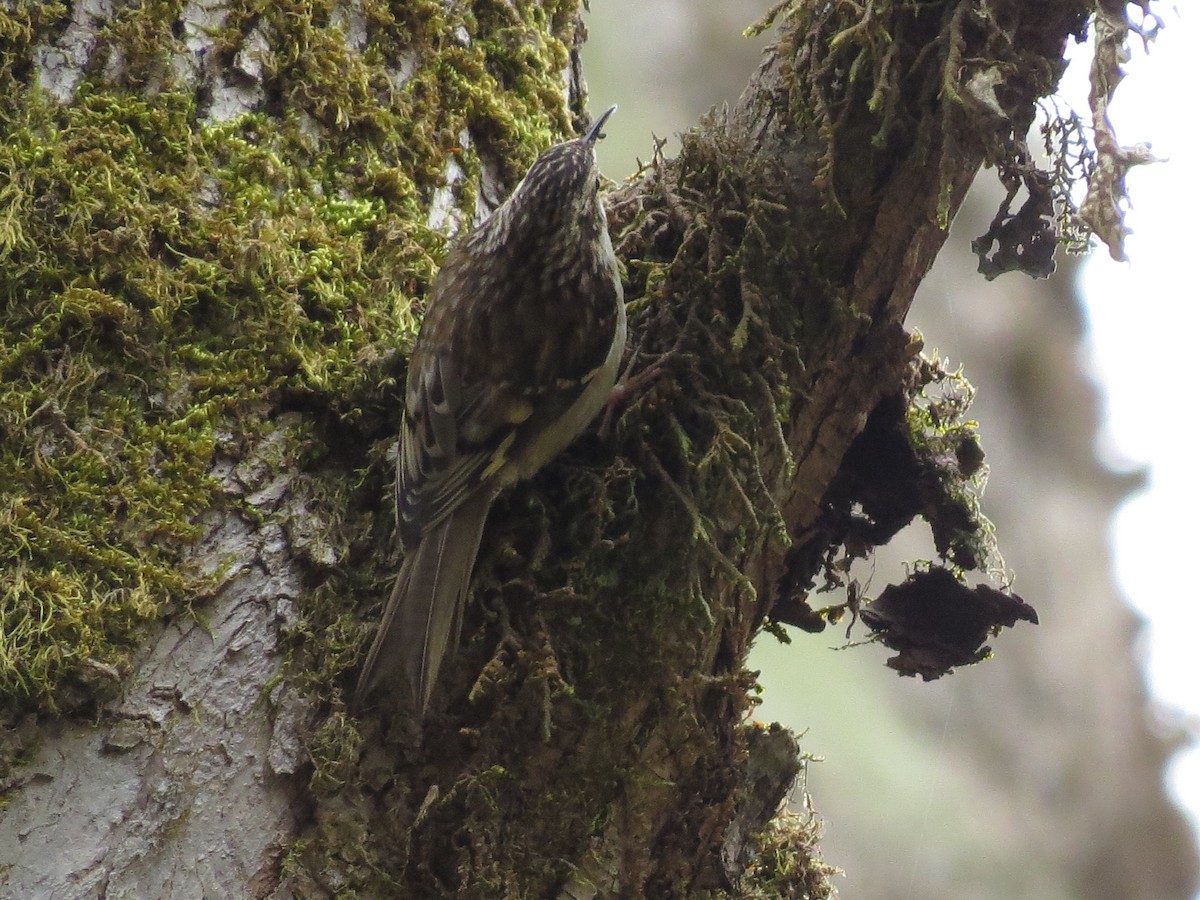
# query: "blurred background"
[1060,768]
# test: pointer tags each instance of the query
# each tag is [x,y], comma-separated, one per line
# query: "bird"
[518,351]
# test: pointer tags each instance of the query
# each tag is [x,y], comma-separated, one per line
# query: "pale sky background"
[1143,324]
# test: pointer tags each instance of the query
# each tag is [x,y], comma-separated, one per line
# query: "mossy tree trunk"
[216,229]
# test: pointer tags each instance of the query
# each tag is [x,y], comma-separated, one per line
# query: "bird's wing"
[490,371]
[445,450]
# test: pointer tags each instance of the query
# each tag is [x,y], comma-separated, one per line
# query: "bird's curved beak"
[594,134]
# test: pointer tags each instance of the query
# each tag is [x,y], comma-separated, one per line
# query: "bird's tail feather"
[423,616]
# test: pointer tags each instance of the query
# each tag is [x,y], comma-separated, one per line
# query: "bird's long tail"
[423,615]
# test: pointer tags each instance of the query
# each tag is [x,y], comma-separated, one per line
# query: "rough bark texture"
[252,247]
[186,786]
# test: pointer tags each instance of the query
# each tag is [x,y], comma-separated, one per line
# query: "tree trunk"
[216,234]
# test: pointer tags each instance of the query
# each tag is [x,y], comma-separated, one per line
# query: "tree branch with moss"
[216,238]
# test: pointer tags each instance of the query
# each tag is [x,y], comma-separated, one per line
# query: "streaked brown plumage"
[518,352]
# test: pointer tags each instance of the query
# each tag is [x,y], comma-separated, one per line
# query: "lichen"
[946,441]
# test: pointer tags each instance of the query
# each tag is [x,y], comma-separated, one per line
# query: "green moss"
[23,24]
[788,865]
[166,280]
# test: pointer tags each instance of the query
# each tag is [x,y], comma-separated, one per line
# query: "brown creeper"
[518,352]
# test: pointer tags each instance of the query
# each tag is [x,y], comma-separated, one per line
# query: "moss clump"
[788,865]
[168,282]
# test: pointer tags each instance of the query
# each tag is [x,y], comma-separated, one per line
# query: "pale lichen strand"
[167,279]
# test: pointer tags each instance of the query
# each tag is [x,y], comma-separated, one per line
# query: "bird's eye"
[597,185]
